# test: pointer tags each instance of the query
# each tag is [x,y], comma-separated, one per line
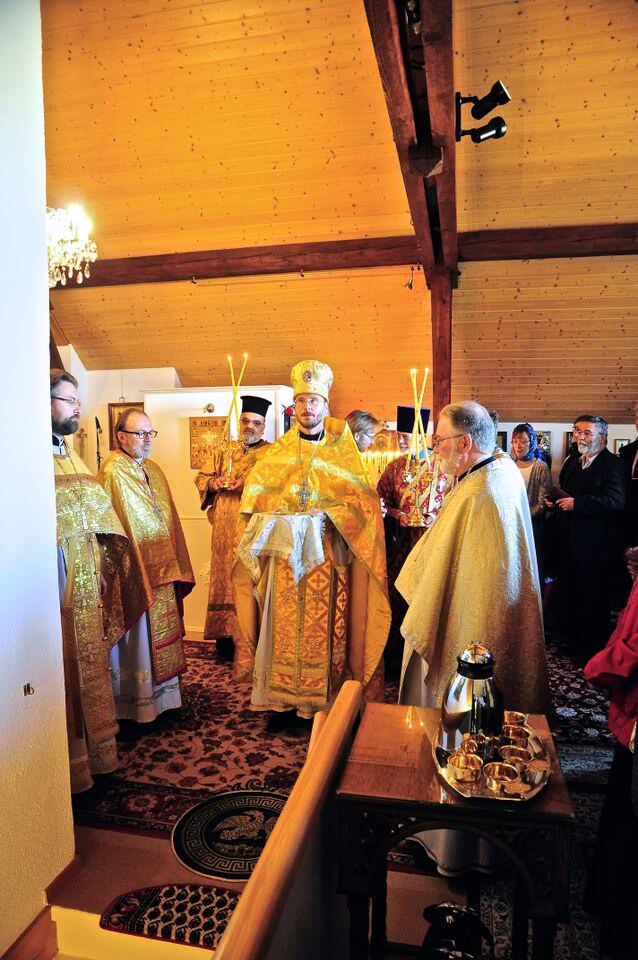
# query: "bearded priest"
[91,544]
[311,548]
[147,662]
[220,487]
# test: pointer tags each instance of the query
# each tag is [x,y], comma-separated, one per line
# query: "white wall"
[36,833]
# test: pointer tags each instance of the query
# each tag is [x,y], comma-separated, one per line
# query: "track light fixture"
[481,106]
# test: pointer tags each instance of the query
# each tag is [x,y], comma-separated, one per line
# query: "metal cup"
[519,757]
[498,774]
[465,766]
[515,735]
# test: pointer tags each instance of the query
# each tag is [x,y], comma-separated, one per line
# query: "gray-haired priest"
[473,578]
[147,662]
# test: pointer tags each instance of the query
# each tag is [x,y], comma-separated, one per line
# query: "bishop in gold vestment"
[310,546]
[147,662]
[220,487]
[91,544]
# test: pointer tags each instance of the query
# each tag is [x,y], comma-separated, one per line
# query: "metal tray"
[517,791]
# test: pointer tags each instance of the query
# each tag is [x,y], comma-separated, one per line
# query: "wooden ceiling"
[186,126]
[370,342]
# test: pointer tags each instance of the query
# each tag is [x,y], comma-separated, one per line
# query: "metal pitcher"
[472,704]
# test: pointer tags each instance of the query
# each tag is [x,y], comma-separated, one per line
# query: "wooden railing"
[263,904]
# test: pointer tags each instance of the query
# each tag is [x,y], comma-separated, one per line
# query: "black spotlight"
[493,130]
[497,97]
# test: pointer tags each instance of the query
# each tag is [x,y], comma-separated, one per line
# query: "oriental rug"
[223,837]
[191,914]
[216,742]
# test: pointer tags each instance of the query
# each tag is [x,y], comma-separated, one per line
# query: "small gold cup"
[498,774]
[514,718]
[519,757]
[465,766]
[515,735]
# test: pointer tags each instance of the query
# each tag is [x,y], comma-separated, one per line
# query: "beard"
[310,421]
[63,428]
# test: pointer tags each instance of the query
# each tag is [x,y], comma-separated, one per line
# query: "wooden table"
[390,790]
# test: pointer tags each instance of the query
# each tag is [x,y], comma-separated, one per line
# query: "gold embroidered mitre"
[311,376]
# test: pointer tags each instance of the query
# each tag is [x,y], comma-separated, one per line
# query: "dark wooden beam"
[538,243]
[386,39]
[438,57]
[441,283]
[253,261]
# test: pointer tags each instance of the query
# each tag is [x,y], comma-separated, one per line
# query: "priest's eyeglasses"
[141,434]
[436,439]
[73,401]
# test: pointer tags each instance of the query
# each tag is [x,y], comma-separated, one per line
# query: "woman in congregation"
[537,479]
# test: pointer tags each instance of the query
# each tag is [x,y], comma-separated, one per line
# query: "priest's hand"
[404,520]
[216,483]
[565,503]
[384,509]
[234,485]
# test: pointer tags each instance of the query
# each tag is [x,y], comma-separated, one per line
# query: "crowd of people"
[318,574]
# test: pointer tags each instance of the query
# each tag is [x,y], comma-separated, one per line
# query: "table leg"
[378,924]
[543,933]
[359,907]
[519,922]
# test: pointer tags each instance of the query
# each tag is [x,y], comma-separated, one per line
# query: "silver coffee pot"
[472,704]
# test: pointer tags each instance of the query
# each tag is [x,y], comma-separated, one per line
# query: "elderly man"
[473,576]
[220,487]
[147,662]
[586,532]
[91,543]
[310,540]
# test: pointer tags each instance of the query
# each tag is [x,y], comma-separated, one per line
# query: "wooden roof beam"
[544,243]
[386,39]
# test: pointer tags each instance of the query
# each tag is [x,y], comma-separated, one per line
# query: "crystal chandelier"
[69,248]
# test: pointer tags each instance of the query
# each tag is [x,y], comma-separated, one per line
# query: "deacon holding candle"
[220,486]
[412,489]
[310,547]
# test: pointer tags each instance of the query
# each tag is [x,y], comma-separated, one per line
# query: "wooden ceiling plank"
[384,29]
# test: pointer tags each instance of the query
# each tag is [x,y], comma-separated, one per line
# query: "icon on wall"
[205,436]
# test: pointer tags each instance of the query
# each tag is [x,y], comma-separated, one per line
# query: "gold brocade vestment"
[159,573]
[472,578]
[333,623]
[223,511]
[92,542]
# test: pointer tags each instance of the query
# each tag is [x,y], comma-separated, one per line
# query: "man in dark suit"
[629,458]
[587,531]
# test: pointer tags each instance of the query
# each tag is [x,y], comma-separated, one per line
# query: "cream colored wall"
[36,834]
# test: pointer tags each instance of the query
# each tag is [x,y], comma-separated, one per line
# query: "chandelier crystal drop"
[68,245]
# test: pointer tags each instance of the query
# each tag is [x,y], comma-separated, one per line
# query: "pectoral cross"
[304,495]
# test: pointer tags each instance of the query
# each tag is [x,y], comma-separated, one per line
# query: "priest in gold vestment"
[147,662]
[472,578]
[311,548]
[91,544]
[220,487]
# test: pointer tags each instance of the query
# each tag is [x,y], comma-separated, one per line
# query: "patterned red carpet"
[216,742]
[213,743]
